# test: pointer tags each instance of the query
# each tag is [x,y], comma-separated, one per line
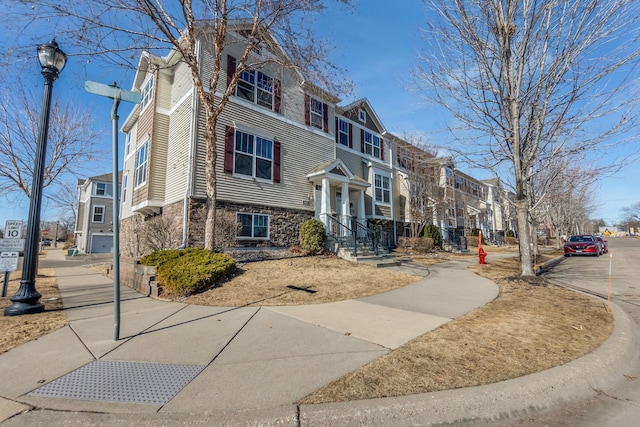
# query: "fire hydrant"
[481,255]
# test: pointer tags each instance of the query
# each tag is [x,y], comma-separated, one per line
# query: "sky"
[378,45]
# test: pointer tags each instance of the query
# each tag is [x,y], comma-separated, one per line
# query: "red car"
[583,244]
[603,244]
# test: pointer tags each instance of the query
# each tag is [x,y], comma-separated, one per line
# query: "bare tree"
[523,78]
[422,183]
[114,28]
[71,141]
[632,212]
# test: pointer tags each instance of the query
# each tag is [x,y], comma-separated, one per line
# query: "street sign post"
[117,94]
[8,262]
[12,242]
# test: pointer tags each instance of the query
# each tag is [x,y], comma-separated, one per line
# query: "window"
[362,115]
[253,156]
[254,226]
[382,189]
[127,145]
[343,132]
[142,160]
[98,214]
[101,189]
[125,183]
[316,113]
[372,144]
[146,93]
[257,87]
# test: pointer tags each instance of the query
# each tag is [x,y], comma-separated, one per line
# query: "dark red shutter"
[337,131]
[276,162]
[381,149]
[362,140]
[231,68]
[350,135]
[325,117]
[277,95]
[229,139]
[307,107]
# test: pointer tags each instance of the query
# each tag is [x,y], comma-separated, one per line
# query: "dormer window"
[362,115]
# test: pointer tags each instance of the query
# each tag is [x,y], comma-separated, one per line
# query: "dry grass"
[302,280]
[18,330]
[530,327]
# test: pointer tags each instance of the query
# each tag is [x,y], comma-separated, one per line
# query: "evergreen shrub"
[433,231]
[312,235]
[184,272]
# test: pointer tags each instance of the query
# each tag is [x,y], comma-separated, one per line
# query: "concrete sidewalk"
[180,364]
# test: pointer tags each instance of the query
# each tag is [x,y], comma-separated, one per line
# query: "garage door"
[101,244]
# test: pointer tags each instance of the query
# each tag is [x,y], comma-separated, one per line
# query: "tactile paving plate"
[126,382]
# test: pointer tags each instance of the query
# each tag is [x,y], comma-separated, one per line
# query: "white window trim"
[255,88]
[123,192]
[253,215]
[254,156]
[372,144]
[93,214]
[146,168]
[341,132]
[146,92]
[362,115]
[95,193]
[383,176]
[318,115]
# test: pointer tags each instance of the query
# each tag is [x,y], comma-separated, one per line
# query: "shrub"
[312,235]
[422,245]
[184,272]
[433,231]
[510,233]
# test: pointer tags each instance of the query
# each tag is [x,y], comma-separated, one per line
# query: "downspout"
[192,147]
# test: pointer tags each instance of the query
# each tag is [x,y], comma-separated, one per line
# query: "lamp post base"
[18,308]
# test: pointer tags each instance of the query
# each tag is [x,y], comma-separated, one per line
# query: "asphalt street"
[614,274]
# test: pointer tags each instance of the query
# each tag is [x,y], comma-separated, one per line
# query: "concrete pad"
[135,318]
[274,360]
[450,291]
[38,362]
[270,335]
[9,408]
[388,327]
[194,335]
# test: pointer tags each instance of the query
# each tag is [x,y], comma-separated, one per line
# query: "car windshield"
[581,239]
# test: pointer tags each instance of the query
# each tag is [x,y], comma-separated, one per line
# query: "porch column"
[362,220]
[345,211]
[325,204]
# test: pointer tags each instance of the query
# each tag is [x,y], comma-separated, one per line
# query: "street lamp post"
[25,300]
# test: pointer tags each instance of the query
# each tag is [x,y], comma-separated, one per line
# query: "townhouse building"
[94,221]
[287,152]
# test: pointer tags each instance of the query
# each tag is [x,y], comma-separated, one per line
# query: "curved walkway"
[183,364]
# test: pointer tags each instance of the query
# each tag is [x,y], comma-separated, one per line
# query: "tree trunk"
[524,238]
[211,179]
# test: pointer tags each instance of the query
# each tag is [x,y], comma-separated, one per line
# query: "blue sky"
[377,45]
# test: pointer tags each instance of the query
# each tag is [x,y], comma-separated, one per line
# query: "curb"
[546,390]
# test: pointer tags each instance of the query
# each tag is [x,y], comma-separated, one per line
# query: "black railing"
[356,236]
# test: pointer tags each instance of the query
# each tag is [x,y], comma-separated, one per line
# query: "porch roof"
[336,171]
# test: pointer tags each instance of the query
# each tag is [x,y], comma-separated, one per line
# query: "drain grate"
[126,382]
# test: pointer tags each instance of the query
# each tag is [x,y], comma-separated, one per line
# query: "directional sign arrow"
[112,92]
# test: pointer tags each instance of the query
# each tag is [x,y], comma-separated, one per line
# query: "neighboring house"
[287,152]
[94,222]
